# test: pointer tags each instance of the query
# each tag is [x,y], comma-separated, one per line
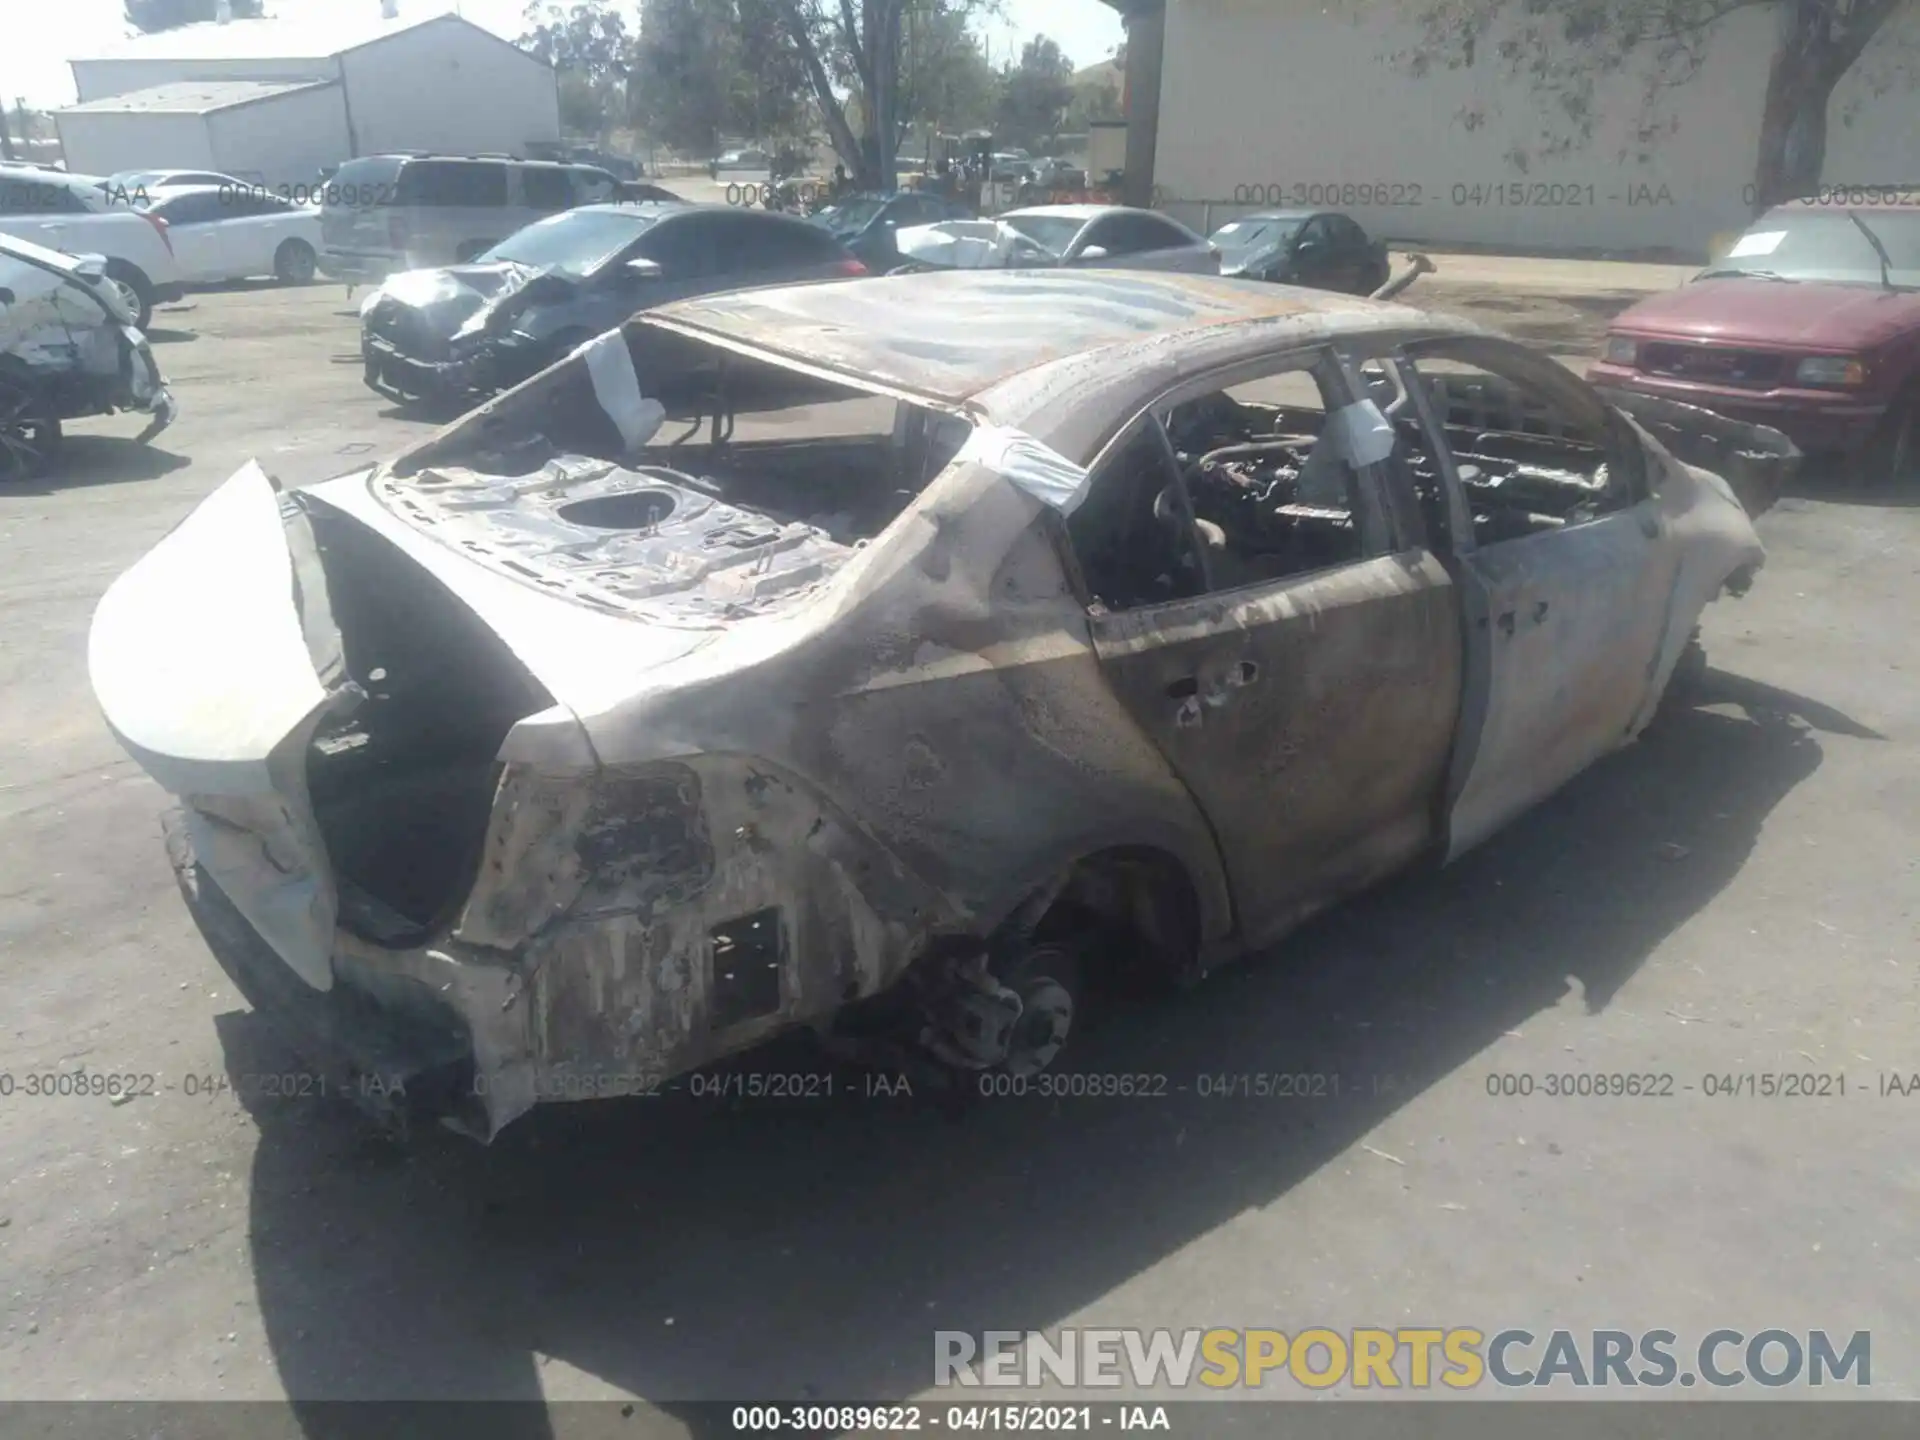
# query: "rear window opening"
[756,468]
[362,184]
[403,785]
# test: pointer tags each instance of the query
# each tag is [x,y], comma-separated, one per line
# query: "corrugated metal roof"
[302,30]
[193,97]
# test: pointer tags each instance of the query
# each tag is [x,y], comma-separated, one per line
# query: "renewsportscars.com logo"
[1401,1358]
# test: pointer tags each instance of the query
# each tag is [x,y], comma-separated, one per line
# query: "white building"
[283,95]
[1238,104]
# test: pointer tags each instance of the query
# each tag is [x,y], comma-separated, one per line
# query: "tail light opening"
[160,225]
[851,267]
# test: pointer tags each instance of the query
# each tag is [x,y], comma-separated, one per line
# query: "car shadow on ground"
[83,461]
[687,1249]
[1841,481]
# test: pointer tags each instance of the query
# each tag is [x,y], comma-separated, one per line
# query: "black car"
[1320,249]
[866,224]
[450,335]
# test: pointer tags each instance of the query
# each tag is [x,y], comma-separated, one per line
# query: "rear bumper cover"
[397,1066]
[1757,461]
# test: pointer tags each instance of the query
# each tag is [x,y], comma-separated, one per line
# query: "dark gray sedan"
[1322,250]
[450,335]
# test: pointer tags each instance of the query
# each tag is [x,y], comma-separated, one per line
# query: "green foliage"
[864,71]
[590,47]
[1034,95]
[1096,97]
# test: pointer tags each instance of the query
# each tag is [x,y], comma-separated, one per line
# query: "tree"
[1035,94]
[705,67]
[590,49]
[678,89]
[853,55]
[769,94]
[1096,96]
[1561,48]
[945,80]
[151,15]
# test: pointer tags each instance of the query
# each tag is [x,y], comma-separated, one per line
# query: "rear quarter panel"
[949,700]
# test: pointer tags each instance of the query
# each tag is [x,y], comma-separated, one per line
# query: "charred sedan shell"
[889,658]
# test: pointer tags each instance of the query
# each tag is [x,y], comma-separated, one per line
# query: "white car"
[71,213]
[1076,236]
[132,181]
[234,232]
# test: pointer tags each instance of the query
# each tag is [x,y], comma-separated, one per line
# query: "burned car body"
[68,348]
[925,642]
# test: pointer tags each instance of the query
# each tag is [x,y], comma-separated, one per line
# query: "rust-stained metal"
[620,768]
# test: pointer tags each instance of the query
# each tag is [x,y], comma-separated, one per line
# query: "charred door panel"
[1565,634]
[1311,717]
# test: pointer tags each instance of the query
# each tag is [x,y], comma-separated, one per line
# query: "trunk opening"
[402,786]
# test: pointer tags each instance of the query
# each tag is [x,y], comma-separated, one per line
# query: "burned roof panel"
[952,335]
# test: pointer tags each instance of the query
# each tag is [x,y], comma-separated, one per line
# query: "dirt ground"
[1733,896]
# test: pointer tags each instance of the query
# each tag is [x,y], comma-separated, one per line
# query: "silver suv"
[385,213]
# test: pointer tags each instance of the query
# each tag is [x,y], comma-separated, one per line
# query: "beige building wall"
[451,87]
[98,79]
[1272,102]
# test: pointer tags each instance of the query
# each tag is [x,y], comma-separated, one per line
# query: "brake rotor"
[1046,1019]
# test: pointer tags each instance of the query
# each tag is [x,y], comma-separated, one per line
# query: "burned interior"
[1524,464]
[1238,487]
[749,459]
[1234,489]
[720,517]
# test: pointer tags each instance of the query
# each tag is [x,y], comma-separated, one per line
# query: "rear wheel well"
[1137,904]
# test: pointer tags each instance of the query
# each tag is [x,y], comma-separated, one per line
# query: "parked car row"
[72,214]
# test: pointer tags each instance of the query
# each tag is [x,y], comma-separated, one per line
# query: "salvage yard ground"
[1734,896]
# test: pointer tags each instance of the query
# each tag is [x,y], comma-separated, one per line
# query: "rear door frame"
[1224,630]
[1542,698]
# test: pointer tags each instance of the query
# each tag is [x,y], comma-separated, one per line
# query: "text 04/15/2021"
[1418,194]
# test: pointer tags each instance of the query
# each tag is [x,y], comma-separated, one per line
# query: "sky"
[41,36]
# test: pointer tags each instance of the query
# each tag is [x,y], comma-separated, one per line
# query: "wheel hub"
[25,433]
[1046,1019]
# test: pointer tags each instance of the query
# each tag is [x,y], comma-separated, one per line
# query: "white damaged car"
[897,658]
[68,348]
